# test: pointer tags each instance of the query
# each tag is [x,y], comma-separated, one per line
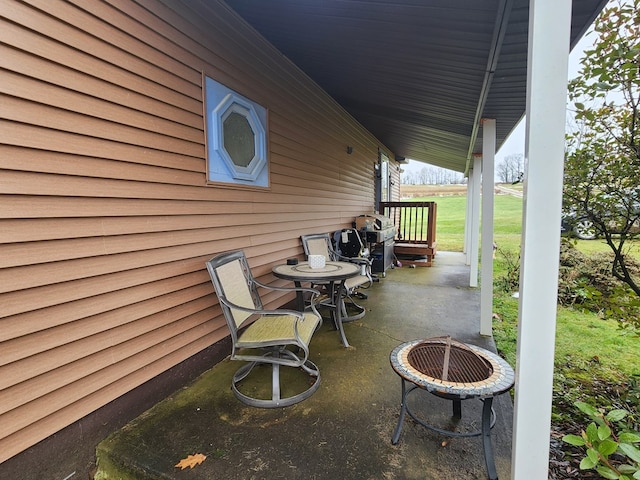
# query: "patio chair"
[277,337]
[321,244]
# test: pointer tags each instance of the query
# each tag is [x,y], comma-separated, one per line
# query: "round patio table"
[333,274]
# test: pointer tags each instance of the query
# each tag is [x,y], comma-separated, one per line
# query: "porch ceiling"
[418,74]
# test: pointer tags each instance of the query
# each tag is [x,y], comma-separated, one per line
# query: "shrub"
[586,282]
[610,443]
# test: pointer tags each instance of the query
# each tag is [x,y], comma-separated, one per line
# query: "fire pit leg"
[403,411]
[486,438]
[457,409]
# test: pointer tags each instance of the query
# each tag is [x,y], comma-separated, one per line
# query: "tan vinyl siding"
[106,219]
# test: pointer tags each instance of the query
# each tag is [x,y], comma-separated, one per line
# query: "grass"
[582,337]
[449,222]
[451,217]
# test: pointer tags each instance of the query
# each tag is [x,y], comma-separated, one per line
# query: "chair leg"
[276,400]
[360,310]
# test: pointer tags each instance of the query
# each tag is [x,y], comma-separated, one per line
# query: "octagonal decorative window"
[236,137]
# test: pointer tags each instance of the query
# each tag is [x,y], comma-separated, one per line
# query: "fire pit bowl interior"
[449,360]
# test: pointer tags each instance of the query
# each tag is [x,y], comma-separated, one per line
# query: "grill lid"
[449,360]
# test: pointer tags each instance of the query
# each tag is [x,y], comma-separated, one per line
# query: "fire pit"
[455,371]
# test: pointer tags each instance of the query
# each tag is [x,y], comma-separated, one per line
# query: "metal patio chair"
[321,244]
[276,337]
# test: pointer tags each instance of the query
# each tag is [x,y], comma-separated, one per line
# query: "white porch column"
[475,220]
[549,26]
[488,186]
[467,219]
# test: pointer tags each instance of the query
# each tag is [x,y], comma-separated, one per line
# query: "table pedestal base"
[488,421]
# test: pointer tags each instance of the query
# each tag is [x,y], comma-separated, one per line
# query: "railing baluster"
[412,224]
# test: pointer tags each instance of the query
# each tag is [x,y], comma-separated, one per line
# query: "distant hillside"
[411,191]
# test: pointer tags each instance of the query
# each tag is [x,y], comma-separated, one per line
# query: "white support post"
[549,27]
[475,220]
[467,220]
[488,187]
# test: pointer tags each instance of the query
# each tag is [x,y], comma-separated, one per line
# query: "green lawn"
[582,339]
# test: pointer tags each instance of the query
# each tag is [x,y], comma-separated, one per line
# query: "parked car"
[582,227]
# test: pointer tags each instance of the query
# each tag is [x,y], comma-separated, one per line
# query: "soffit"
[418,74]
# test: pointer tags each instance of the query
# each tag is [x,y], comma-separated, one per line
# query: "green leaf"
[604,432]
[630,451]
[606,472]
[592,432]
[592,454]
[607,447]
[629,437]
[588,409]
[624,468]
[579,106]
[616,415]
[574,440]
[637,475]
[587,464]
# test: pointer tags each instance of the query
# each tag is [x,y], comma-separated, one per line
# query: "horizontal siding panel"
[35,91]
[77,270]
[34,253]
[27,183]
[22,111]
[35,230]
[71,411]
[42,351]
[106,23]
[25,160]
[40,45]
[29,65]
[46,139]
[127,341]
[18,206]
[51,313]
[73,35]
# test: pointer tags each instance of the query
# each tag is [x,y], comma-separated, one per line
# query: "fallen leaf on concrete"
[191,461]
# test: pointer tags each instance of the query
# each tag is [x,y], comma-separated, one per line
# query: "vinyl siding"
[106,218]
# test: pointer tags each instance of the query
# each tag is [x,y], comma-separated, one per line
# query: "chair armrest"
[287,289]
[280,311]
[255,311]
[361,260]
[356,260]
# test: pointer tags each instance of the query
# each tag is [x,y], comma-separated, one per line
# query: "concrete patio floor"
[343,431]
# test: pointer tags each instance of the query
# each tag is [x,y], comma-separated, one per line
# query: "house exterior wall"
[106,218]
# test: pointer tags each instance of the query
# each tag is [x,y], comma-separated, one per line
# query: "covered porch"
[110,209]
[344,429]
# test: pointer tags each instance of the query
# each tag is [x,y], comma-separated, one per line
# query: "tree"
[602,167]
[431,175]
[511,168]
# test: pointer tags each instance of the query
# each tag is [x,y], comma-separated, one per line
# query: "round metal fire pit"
[472,371]
[455,371]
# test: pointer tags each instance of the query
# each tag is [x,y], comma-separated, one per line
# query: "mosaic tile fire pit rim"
[501,380]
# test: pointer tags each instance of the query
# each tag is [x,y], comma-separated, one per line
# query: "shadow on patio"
[344,430]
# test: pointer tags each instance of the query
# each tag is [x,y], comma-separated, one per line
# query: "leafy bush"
[508,279]
[586,282]
[610,443]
